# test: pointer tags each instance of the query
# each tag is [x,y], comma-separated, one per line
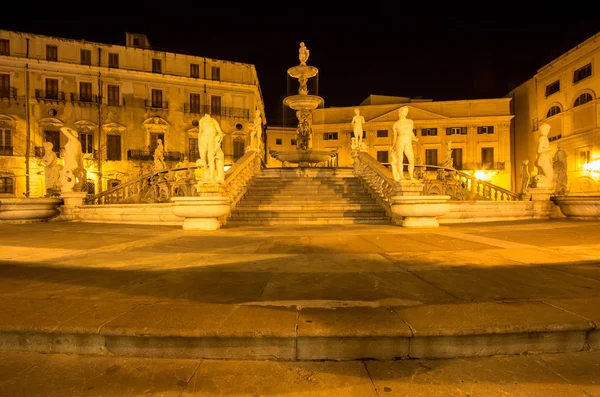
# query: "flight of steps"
[310,196]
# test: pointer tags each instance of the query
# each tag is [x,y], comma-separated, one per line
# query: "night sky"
[439,58]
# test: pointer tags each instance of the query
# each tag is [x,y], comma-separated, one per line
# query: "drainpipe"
[28,123]
[100,96]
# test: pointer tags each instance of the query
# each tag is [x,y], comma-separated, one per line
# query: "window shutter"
[463,131]
[448,131]
[491,129]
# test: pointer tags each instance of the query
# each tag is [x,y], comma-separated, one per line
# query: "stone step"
[315,187]
[292,331]
[260,221]
[304,200]
[322,206]
[308,195]
[303,214]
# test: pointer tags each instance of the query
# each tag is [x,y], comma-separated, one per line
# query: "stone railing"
[238,177]
[377,178]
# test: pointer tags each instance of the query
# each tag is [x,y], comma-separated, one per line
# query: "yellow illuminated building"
[120,99]
[564,94]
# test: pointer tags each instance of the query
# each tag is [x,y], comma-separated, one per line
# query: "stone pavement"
[60,375]
[300,293]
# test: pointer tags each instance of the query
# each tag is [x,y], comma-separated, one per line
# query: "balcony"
[148,155]
[50,96]
[157,105]
[6,150]
[85,99]
[225,112]
[8,93]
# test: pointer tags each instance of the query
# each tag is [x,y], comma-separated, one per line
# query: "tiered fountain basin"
[585,207]
[201,213]
[420,211]
[304,158]
[303,71]
[29,209]
[303,102]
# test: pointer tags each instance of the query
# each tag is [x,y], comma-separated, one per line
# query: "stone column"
[542,206]
[72,203]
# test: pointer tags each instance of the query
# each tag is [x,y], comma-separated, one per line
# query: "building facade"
[120,99]
[563,94]
[479,131]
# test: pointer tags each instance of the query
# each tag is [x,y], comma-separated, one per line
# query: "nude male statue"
[209,132]
[402,140]
[357,124]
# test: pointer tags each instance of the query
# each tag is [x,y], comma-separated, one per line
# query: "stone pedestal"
[204,211]
[72,203]
[542,206]
[406,187]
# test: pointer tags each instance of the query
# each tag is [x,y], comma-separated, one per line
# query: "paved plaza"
[287,298]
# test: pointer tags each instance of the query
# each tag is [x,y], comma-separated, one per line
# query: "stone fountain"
[304,104]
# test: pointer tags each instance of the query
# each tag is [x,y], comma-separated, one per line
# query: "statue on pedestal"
[357,127]
[256,133]
[159,159]
[210,137]
[525,177]
[73,175]
[303,54]
[545,173]
[560,170]
[402,140]
[51,169]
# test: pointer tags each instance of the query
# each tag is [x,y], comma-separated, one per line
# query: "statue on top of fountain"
[210,137]
[303,54]
[357,125]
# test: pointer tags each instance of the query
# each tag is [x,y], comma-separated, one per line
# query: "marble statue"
[159,158]
[219,160]
[303,54]
[51,169]
[183,174]
[449,163]
[209,135]
[256,133]
[560,170]
[402,140]
[303,89]
[357,127]
[545,173]
[525,177]
[304,136]
[73,175]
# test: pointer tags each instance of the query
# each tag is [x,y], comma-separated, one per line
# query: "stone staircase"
[310,196]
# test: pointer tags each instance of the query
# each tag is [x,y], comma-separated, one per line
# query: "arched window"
[583,98]
[553,111]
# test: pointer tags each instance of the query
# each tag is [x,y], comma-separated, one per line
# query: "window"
[238,148]
[215,105]
[429,132]
[52,88]
[383,156]
[193,152]
[457,161]
[194,103]
[553,111]
[485,130]
[53,137]
[293,142]
[85,91]
[6,144]
[157,98]
[4,47]
[215,73]
[113,60]
[456,131]
[4,85]
[156,65]
[51,53]
[332,136]
[113,147]
[7,185]
[154,137]
[382,133]
[90,187]
[582,73]
[194,70]
[552,88]
[278,141]
[487,158]
[113,95]
[584,157]
[431,157]
[87,142]
[583,98]
[85,57]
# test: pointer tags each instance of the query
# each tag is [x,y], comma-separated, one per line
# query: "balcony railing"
[56,96]
[8,92]
[84,99]
[147,155]
[150,104]
[6,150]
[229,112]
